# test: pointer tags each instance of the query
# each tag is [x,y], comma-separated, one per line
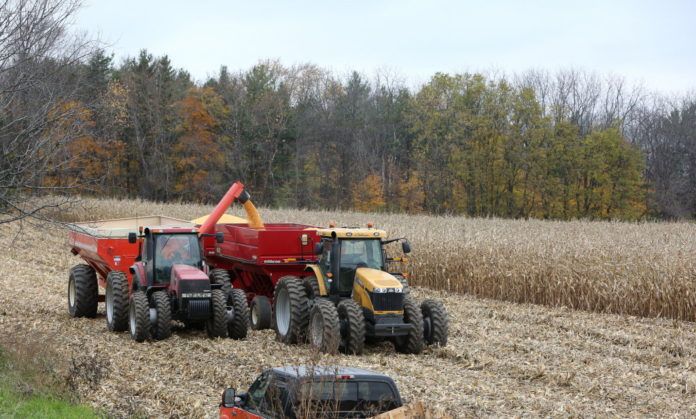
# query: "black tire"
[238,327]
[404,283]
[83,292]
[222,277]
[352,327]
[324,329]
[311,286]
[116,301]
[413,342]
[162,328]
[261,313]
[290,310]
[216,325]
[435,323]
[139,316]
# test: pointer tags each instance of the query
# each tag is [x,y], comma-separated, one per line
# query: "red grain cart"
[255,259]
[153,272]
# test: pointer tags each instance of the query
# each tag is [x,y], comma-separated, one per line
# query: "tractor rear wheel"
[83,293]
[435,323]
[238,327]
[290,310]
[139,316]
[412,343]
[216,325]
[116,301]
[324,329]
[352,326]
[162,327]
[261,313]
[222,277]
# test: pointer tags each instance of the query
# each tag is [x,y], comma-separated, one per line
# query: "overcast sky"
[649,42]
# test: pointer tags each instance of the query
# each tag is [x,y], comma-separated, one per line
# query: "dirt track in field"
[502,358]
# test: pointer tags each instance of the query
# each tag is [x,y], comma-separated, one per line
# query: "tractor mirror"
[132,238]
[406,246]
[219,237]
[318,249]
[228,397]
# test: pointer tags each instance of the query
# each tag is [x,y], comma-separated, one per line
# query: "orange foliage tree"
[197,155]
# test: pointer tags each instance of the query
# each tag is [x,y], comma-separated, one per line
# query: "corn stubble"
[644,269]
[502,359]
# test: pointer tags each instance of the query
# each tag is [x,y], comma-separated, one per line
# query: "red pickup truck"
[299,392]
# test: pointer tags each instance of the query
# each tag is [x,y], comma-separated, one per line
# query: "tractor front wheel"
[216,325]
[352,325]
[83,293]
[412,343]
[290,310]
[116,301]
[238,327]
[162,327]
[261,313]
[435,323]
[139,316]
[324,330]
[222,277]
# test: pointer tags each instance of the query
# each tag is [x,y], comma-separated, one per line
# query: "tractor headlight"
[386,290]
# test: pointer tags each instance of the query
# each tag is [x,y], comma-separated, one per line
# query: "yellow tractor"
[352,297]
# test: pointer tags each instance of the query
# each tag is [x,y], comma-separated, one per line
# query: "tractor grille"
[198,309]
[390,301]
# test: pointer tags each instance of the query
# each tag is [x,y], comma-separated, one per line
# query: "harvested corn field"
[502,358]
[642,269]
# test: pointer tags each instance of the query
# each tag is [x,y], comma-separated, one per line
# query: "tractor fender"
[314,269]
[139,277]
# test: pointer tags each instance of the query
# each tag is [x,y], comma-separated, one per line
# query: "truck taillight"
[345,377]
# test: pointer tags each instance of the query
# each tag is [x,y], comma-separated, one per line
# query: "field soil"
[502,358]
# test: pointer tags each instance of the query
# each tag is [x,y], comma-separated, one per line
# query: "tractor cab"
[344,251]
[161,249]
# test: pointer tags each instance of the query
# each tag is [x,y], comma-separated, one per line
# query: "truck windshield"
[367,397]
[175,248]
[356,253]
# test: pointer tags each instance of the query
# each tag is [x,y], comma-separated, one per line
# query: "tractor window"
[359,253]
[355,254]
[171,249]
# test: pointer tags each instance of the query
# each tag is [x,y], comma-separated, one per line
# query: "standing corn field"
[645,269]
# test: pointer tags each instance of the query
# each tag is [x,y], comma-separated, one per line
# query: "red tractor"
[154,276]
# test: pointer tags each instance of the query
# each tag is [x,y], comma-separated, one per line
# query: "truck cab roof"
[299,372]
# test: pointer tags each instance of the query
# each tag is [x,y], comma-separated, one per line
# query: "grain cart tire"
[290,310]
[404,284]
[83,294]
[116,301]
[435,323]
[238,327]
[139,316]
[413,342]
[222,277]
[261,313]
[216,325]
[162,326]
[352,327]
[324,329]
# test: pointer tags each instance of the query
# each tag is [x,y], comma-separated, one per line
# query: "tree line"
[556,145]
